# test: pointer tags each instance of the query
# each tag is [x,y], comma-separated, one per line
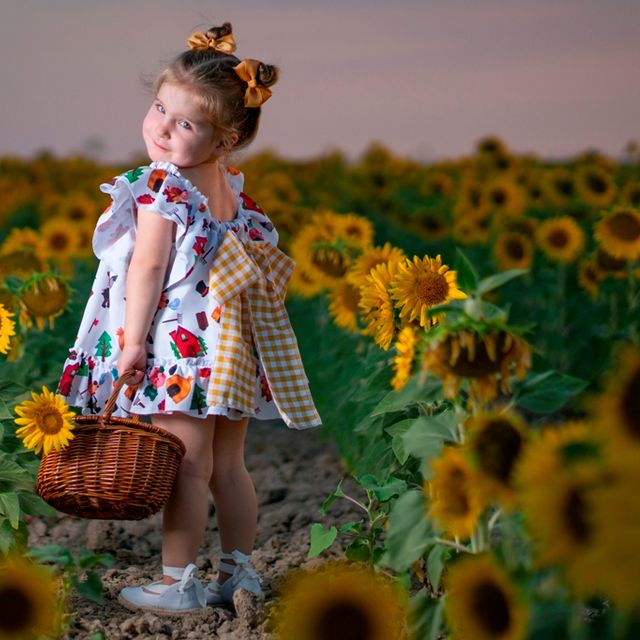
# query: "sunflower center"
[633,196]
[480,364]
[624,226]
[514,249]
[16,611]
[491,609]
[558,238]
[49,421]
[59,241]
[343,621]
[330,261]
[564,186]
[77,213]
[498,197]
[498,447]
[351,298]
[457,500]
[608,263]
[475,198]
[631,405]
[597,183]
[432,223]
[576,515]
[431,288]
[44,303]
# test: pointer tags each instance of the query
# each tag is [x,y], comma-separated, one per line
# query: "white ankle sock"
[173,572]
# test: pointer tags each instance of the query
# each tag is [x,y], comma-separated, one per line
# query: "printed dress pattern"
[185,331]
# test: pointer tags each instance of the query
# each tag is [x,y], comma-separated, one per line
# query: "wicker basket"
[114,468]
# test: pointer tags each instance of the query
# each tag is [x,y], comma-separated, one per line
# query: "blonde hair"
[218,90]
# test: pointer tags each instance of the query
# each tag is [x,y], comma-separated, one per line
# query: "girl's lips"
[160,146]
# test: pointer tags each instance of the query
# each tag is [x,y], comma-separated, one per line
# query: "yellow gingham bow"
[255,94]
[199,41]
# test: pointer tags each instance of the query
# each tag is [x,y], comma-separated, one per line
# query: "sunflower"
[559,515]
[617,409]
[405,354]
[475,228]
[482,603]
[630,194]
[21,263]
[595,186]
[31,605]
[439,184]
[495,442]
[45,422]
[619,233]
[487,362]
[43,297]
[472,199]
[303,284]
[344,301]
[491,146]
[559,186]
[313,249]
[430,225]
[513,250]
[376,304]
[21,240]
[78,208]
[361,266]
[339,600]
[455,501]
[356,231]
[505,198]
[561,239]
[7,329]
[609,265]
[590,277]
[59,241]
[422,284]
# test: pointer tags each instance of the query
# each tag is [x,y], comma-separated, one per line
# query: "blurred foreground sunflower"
[21,240]
[339,600]
[630,194]
[595,186]
[482,603]
[495,441]
[59,240]
[21,263]
[31,605]
[487,362]
[609,265]
[357,231]
[303,284]
[616,410]
[561,239]
[505,197]
[590,277]
[7,329]
[422,284]
[344,301]
[43,297]
[45,423]
[559,186]
[454,499]
[619,233]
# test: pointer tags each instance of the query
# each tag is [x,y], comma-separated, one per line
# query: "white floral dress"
[182,340]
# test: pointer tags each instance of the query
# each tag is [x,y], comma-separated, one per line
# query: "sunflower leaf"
[417,389]
[33,505]
[90,588]
[425,437]
[408,535]
[549,391]
[7,537]
[321,539]
[438,555]
[497,280]
[10,506]
[13,475]
[425,617]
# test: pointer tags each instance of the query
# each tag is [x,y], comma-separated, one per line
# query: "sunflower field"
[471,333]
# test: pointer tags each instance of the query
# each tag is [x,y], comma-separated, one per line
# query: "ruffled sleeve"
[256,225]
[149,187]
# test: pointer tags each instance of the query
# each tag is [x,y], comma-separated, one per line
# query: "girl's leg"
[232,488]
[186,512]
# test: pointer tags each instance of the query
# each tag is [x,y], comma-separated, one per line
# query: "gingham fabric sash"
[250,281]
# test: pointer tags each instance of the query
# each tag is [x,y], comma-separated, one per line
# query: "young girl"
[189,294]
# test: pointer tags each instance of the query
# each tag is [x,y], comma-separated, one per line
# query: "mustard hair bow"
[255,94]
[199,41]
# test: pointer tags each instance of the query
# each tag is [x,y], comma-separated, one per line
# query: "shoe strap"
[189,580]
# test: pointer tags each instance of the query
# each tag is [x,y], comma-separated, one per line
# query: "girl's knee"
[225,475]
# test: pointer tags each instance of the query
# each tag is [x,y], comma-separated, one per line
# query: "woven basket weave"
[114,468]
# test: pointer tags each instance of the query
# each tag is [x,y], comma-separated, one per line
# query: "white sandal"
[185,596]
[242,576]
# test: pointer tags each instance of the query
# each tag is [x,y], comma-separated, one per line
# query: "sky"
[426,78]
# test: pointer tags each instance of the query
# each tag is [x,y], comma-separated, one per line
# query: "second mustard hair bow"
[255,94]
[199,41]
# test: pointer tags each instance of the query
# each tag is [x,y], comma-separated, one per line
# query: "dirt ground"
[293,473]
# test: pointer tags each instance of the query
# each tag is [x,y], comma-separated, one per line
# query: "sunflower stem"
[494,519]
[453,545]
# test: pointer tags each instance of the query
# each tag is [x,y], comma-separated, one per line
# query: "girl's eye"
[159,107]
[184,124]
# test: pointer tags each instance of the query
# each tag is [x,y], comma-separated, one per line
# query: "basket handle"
[111,402]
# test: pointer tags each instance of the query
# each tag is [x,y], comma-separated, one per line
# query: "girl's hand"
[133,357]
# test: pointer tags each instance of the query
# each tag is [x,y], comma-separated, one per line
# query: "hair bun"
[219,32]
[267,74]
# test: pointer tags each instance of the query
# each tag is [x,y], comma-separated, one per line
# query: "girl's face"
[174,129]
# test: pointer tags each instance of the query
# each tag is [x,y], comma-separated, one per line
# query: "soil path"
[293,473]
